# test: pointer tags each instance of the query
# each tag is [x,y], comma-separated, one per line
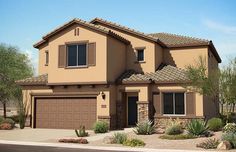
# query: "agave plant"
[197,127]
[145,128]
[209,144]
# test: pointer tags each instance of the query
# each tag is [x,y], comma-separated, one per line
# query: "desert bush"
[14,118]
[177,137]
[209,144]
[1,119]
[196,127]
[134,143]
[100,127]
[230,137]
[145,128]
[230,127]
[215,124]
[175,129]
[5,126]
[80,141]
[81,132]
[9,121]
[120,138]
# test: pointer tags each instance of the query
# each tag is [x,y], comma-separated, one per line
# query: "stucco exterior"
[116,53]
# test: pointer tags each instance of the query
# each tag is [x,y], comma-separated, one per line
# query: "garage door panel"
[65,113]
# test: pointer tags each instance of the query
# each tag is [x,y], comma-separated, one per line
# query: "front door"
[132,110]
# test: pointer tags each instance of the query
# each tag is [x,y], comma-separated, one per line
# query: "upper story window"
[46,58]
[174,103]
[77,55]
[140,55]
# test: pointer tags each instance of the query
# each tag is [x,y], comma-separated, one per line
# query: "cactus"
[81,132]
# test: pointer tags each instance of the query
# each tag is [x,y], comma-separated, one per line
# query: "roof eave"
[214,51]
[81,23]
[130,31]
[136,82]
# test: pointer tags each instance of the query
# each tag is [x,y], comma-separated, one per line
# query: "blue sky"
[24,22]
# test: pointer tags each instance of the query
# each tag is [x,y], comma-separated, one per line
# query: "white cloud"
[226,29]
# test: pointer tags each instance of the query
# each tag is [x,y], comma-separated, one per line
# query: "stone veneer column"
[143,113]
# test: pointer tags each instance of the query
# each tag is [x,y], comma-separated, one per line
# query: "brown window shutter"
[157,103]
[62,56]
[91,54]
[190,104]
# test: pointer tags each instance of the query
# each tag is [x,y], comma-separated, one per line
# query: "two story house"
[99,70]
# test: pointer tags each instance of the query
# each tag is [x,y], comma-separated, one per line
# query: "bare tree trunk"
[233,106]
[222,108]
[4,110]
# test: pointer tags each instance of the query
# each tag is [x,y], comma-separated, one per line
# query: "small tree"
[13,66]
[216,84]
[203,81]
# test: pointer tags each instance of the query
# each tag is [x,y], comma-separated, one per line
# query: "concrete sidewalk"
[66,145]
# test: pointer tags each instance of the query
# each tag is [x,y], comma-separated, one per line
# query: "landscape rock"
[224,145]
[160,131]
[6,126]
[108,140]
[74,140]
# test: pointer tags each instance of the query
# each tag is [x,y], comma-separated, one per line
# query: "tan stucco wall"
[116,58]
[87,74]
[142,90]
[174,88]
[159,55]
[42,69]
[183,57]
[27,97]
[149,52]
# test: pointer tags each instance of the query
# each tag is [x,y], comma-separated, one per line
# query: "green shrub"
[175,129]
[230,137]
[209,144]
[100,127]
[177,137]
[145,128]
[230,127]
[119,138]
[1,119]
[196,127]
[215,124]
[8,120]
[14,118]
[81,132]
[134,143]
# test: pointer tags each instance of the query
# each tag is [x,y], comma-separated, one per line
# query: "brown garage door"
[65,113]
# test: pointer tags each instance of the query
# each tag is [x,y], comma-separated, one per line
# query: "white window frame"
[174,104]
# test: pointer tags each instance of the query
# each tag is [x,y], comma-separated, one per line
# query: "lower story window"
[174,103]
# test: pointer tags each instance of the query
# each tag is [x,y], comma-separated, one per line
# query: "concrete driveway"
[49,135]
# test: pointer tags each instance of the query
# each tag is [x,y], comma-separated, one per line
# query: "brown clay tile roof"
[38,80]
[127,29]
[164,39]
[168,74]
[174,40]
[165,74]
[130,76]
[83,23]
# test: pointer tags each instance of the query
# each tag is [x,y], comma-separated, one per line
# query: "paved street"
[26,148]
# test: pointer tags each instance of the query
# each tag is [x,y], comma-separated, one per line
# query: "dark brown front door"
[132,110]
[65,113]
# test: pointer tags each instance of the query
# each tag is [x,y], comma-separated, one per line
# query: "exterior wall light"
[103,95]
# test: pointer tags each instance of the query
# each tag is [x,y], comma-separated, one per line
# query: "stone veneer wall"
[120,115]
[143,113]
[163,122]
